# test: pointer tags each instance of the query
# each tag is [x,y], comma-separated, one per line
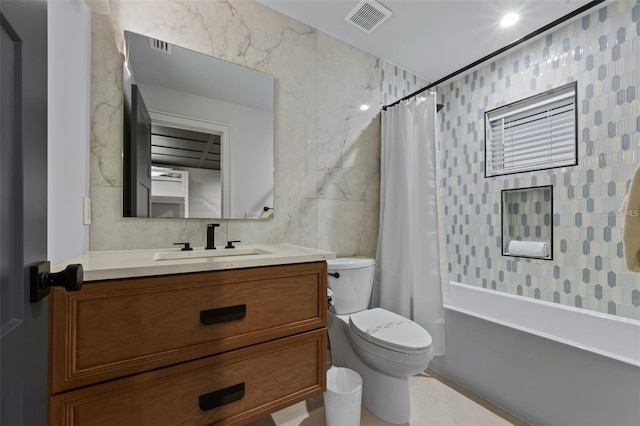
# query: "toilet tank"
[352,283]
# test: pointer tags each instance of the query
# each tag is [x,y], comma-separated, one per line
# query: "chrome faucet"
[211,228]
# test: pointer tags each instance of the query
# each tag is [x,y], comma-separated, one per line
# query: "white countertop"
[105,265]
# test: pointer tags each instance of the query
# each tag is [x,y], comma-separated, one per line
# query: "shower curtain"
[408,258]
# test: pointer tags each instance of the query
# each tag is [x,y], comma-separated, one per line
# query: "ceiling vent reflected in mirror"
[161,46]
[368,15]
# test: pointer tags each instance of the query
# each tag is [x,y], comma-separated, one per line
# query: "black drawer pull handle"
[218,398]
[218,315]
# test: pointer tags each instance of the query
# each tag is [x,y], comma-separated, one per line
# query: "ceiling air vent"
[368,15]
[161,46]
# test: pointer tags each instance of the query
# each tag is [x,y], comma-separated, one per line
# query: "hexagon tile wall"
[600,51]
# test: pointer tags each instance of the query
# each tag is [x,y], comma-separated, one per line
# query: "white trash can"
[343,397]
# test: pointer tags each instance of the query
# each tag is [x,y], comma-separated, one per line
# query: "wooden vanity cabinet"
[219,347]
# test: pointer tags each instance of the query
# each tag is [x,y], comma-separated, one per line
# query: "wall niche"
[527,228]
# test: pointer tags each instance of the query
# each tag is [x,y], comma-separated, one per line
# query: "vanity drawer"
[110,329]
[260,380]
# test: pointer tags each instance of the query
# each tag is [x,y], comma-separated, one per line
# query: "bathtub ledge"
[607,335]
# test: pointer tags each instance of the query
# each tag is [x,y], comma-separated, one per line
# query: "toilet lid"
[390,330]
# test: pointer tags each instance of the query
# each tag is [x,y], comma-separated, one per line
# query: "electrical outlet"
[86,210]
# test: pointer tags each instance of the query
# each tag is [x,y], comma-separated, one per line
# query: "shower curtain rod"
[511,45]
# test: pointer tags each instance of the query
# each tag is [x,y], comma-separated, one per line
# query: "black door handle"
[211,400]
[226,314]
[41,279]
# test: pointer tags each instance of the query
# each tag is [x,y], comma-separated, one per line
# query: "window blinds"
[533,134]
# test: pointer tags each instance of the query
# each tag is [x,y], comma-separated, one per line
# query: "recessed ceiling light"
[364,107]
[509,19]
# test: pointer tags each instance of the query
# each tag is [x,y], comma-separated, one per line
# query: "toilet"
[383,347]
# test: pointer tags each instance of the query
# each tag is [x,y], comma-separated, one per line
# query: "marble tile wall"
[600,51]
[327,151]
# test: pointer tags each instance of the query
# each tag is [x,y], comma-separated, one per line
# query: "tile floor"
[435,401]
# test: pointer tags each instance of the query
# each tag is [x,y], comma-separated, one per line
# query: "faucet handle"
[230,244]
[187,246]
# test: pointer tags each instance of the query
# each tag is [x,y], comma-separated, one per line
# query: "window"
[536,133]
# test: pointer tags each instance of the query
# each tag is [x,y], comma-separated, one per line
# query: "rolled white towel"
[528,248]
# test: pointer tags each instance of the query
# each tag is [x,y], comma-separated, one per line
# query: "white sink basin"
[203,254]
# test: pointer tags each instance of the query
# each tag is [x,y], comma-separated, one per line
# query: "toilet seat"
[391,331]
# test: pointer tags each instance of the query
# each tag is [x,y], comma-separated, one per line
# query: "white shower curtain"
[408,259]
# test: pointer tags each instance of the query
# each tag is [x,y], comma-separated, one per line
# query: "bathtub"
[546,363]
[607,335]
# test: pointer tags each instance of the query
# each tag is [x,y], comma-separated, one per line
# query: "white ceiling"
[430,38]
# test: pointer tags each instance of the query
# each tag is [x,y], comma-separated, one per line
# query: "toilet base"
[387,397]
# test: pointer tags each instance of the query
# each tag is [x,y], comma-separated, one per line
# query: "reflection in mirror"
[527,228]
[198,135]
[184,164]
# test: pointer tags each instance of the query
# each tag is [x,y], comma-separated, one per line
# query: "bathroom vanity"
[167,338]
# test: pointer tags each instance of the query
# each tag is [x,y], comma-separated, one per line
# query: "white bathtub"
[608,335]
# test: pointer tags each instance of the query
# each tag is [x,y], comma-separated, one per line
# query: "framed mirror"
[527,225]
[198,135]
